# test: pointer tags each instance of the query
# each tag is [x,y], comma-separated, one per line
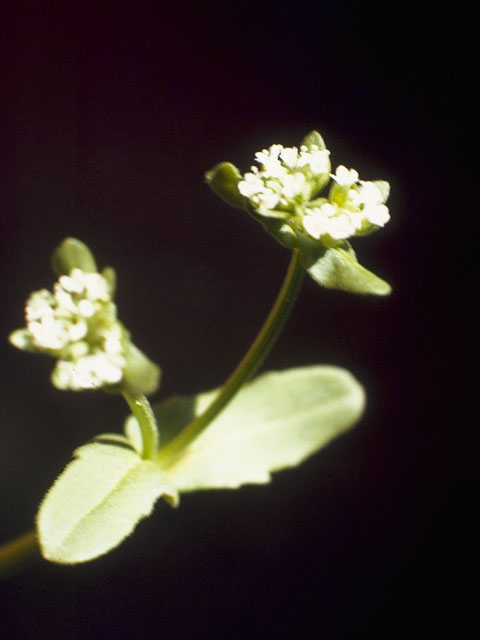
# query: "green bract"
[73,254]
[285,193]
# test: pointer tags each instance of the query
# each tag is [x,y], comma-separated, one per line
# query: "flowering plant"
[237,434]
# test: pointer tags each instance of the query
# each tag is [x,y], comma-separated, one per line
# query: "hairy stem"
[142,411]
[15,554]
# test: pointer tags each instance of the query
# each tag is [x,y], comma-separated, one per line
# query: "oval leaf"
[97,501]
[273,423]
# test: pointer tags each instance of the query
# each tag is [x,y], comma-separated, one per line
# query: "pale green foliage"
[338,268]
[97,501]
[273,423]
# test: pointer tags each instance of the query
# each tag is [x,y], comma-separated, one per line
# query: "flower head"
[288,181]
[310,210]
[76,324]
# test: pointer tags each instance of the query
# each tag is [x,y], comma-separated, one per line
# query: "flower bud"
[71,254]
[140,374]
[224,179]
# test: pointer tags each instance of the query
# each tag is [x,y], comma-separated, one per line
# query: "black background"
[111,113]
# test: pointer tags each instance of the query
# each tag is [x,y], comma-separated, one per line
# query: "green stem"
[13,554]
[142,411]
[252,360]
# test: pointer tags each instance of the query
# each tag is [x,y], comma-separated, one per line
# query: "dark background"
[110,115]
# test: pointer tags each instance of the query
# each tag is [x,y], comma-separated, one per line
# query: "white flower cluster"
[286,178]
[353,207]
[77,324]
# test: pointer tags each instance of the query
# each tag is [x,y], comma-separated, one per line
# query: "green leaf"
[338,268]
[97,501]
[274,422]
[224,179]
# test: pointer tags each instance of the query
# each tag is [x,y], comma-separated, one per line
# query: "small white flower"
[289,157]
[86,308]
[270,161]
[328,221]
[370,194]
[317,160]
[112,340]
[267,200]
[71,283]
[295,184]
[328,210]
[65,303]
[88,372]
[315,224]
[377,214]
[39,304]
[49,333]
[251,185]
[362,202]
[345,177]
[97,287]
[341,226]
[77,331]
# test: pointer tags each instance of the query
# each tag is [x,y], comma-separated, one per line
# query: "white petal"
[370,194]
[77,331]
[345,177]
[341,227]
[97,287]
[378,214]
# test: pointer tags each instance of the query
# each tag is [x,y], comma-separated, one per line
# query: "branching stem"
[16,553]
